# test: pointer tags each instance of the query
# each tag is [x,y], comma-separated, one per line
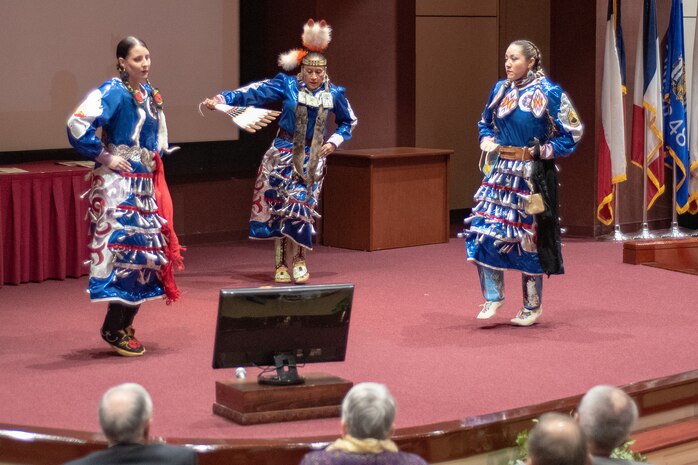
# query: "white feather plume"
[290,60]
[316,35]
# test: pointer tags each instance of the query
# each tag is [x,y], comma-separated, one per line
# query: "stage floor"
[413,327]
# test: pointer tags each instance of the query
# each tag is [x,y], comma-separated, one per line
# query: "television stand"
[286,372]
[247,402]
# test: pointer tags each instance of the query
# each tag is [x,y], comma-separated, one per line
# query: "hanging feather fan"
[249,119]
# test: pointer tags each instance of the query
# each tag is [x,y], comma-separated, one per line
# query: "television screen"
[310,323]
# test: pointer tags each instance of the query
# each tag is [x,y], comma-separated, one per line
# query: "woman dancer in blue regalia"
[528,122]
[133,246]
[292,170]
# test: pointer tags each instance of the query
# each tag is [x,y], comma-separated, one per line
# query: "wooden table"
[385,198]
[43,230]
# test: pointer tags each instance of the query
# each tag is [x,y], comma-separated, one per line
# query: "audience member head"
[606,414]
[557,439]
[125,413]
[368,411]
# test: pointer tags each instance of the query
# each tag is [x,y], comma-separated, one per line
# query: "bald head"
[606,415]
[557,439]
[124,414]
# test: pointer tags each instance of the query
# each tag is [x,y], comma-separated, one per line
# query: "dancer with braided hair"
[292,170]
[528,122]
[134,248]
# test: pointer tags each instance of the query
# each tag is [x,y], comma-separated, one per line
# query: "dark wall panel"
[572,59]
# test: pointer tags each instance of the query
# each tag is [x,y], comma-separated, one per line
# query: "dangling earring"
[123,74]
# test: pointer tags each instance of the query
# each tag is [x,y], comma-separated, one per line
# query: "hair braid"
[537,56]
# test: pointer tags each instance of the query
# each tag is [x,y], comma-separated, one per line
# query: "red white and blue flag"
[612,152]
[648,128]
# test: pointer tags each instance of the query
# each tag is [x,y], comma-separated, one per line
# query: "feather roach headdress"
[316,37]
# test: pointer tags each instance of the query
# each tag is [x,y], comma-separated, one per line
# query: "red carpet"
[413,328]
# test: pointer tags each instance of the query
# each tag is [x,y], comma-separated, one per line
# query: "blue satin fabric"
[501,234]
[127,245]
[283,205]
[518,127]
[117,119]
[283,88]
[287,202]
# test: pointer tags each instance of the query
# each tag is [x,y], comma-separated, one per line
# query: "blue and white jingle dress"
[283,204]
[127,245]
[502,235]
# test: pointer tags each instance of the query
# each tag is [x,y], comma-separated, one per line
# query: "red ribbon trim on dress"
[173,251]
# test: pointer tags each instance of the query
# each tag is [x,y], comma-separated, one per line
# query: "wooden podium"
[247,402]
[384,198]
[671,254]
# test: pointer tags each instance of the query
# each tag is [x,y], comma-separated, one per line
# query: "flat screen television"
[282,326]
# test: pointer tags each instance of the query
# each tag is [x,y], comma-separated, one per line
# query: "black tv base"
[286,372]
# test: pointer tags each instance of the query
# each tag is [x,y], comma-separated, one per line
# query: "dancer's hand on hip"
[488,144]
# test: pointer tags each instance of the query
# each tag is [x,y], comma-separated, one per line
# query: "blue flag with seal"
[674,96]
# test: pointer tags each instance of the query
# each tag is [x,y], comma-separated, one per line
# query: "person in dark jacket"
[557,439]
[125,415]
[607,415]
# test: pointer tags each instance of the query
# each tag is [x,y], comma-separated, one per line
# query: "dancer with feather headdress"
[291,173]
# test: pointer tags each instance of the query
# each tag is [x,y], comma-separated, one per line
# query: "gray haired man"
[125,415]
[606,414]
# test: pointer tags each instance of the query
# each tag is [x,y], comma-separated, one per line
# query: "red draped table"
[43,229]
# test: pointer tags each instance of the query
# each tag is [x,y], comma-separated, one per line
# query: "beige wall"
[55,53]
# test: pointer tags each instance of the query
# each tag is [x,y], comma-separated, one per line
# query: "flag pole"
[645,230]
[674,231]
[617,234]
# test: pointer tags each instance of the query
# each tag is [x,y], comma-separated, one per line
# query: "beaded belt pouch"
[534,205]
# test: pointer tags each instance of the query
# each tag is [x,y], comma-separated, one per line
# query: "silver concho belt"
[138,154]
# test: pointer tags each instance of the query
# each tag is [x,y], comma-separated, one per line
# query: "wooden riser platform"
[247,402]
[671,254]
